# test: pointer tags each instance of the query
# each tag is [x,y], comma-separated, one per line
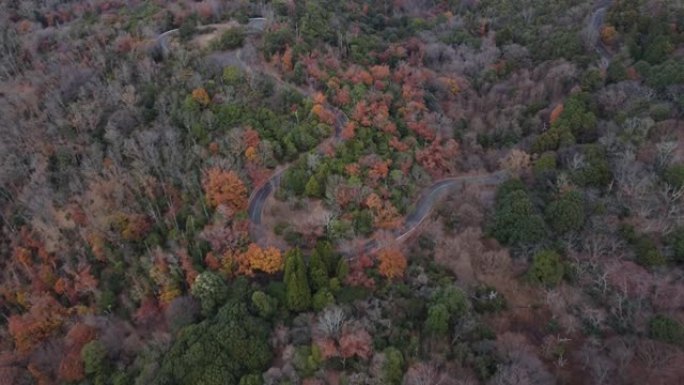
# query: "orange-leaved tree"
[43,318]
[268,260]
[201,96]
[380,72]
[323,114]
[225,188]
[392,263]
[385,215]
[555,113]
[71,366]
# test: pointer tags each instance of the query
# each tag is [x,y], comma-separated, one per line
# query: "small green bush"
[566,213]
[488,300]
[393,368]
[666,329]
[232,76]
[230,39]
[266,305]
[676,242]
[596,172]
[547,268]
[591,80]
[660,111]
[437,322]
[553,139]
[647,253]
[516,221]
[674,175]
[578,119]
[322,299]
[545,163]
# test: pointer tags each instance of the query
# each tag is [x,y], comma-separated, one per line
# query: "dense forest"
[356,192]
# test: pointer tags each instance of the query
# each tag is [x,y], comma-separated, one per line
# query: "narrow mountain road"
[595,23]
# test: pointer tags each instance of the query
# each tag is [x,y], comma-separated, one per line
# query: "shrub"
[647,253]
[437,322]
[676,242]
[394,366]
[232,75]
[591,80]
[295,180]
[488,300]
[674,175]
[265,305]
[577,119]
[666,329]
[660,111]
[545,163]
[94,355]
[322,299]
[251,379]
[596,172]
[552,139]
[230,39]
[277,41]
[516,221]
[455,300]
[666,74]
[566,213]
[188,29]
[313,188]
[616,71]
[363,222]
[547,268]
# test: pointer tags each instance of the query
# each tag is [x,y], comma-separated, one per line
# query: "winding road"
[594,27]
[423,206]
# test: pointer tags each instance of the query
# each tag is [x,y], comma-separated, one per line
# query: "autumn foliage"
[323,114]
[385,215]
[608,34]
[45,317]
[392,263]
[268,260]
[225,188]
[437,158]
[201,96]
[71,366]
[555,113]
[356,343]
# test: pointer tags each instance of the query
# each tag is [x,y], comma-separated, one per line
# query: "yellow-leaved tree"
[268,260]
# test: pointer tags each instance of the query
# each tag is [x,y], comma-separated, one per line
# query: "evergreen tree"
[220,350]
[393,367]
[566,213]
[325,251]
[297,291]
[547,268]
[516,221]
[313,188]
[318,272]
[437,322]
